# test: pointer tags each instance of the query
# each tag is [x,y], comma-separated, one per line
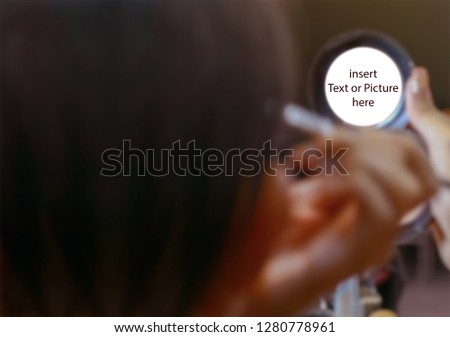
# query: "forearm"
[440,204]
[440,157]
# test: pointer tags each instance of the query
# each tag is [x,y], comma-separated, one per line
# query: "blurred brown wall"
[421,26]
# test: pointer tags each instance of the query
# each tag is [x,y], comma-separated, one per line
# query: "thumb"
[419,102]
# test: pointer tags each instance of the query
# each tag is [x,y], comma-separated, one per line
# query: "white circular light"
[364,86]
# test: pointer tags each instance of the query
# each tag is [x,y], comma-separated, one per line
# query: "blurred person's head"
[80,77]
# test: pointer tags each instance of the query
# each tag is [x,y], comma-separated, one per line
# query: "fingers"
[419,97]
[408,178]
[419,102]
[388,175]
[431,124]
[312,204]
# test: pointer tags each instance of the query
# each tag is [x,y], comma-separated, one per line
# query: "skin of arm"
[434,128]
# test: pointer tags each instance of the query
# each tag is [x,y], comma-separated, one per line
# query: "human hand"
[308,235]
[434,127]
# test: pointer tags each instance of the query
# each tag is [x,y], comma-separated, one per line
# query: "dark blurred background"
[423,28]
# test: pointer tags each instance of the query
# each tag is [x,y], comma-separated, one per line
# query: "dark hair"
[79,77]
